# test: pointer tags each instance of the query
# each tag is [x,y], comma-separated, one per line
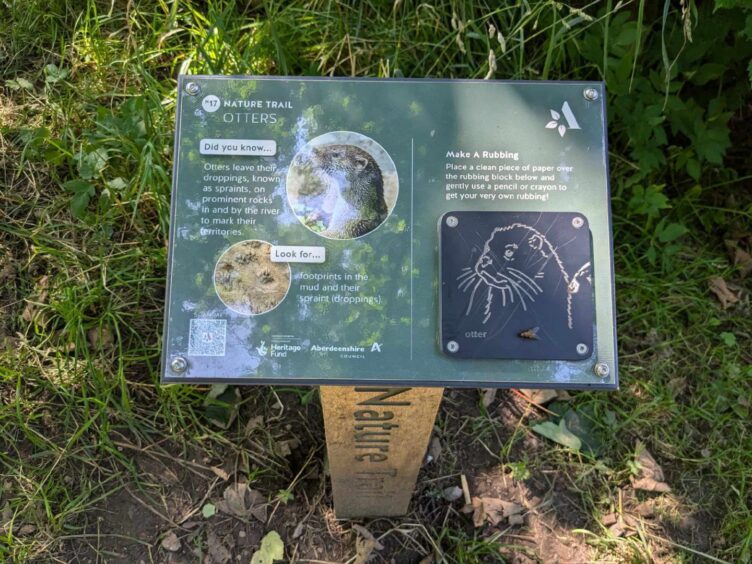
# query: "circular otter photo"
[247,281]
[342,185]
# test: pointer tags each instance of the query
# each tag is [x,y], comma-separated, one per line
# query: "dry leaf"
[434,449]
[492,510]
[171,542]
[540,397]
[253,423]
[240,500]
[285,448]
[100,338]
[516,520]
[24,530]
[645,509]
[298,532]
[744,260]
[609,519]
[723,293]
[365,544]
[216,549]
[32,306]
[651,474]
[489,395]
[617,529]
[220,473]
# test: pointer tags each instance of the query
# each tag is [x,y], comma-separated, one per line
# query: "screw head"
[601,370]
[590,94]
[178,364]
[582,349]
[192,88]
[577,222]
[453,346]
[452,221]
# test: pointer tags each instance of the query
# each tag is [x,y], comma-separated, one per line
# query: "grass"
[86,124]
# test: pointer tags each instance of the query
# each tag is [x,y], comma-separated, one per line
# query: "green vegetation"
[87,102]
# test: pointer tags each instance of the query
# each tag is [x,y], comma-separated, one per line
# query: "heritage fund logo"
[556,121]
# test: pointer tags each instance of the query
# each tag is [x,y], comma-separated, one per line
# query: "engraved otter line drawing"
[496,268]
[356,181]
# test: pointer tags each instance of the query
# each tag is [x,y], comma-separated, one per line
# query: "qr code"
[207,337]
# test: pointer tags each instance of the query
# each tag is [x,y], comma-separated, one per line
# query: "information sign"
[390,232]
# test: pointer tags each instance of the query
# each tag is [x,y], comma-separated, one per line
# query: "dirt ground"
[161,516]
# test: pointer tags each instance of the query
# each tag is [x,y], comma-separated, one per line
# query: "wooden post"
[376,439]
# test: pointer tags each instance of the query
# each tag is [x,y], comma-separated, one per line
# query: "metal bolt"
[590,94]
[192,88]
[582,349]
[178,364]
[452,221]
[577,222]
[453,346]
[601,370]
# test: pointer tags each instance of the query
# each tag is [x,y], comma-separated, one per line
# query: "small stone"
[171,542]
[609,519]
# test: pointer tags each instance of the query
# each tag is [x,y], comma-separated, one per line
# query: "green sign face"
[396,232]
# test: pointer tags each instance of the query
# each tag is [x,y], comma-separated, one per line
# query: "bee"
[531,334]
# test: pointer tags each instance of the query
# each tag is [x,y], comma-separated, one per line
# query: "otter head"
[352,170]
[514,257]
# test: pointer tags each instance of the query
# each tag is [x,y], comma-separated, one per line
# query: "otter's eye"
[337,154]
[509,252]
[536,242]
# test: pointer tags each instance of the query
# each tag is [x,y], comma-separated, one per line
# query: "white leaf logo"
[569,118]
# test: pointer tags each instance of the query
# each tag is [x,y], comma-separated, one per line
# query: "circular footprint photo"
[342,185]
[247,281]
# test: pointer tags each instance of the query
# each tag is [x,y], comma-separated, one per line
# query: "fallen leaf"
[298,532]
[452,493]
[218,552]
[285,448]
[558,433]
[617,529]
[365,544]
[645,509]
[100,338]
[651,474]
[609,519]
[516,520]
[272,548]
[240,500]
[434,449]
[171,542]
[719,287]
[208,510]
[489,395]
[539,397]
[253,424]
[743,260]
[493,510]
[220,473]
[32,305]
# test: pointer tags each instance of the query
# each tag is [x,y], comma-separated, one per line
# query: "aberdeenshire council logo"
[556,123]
